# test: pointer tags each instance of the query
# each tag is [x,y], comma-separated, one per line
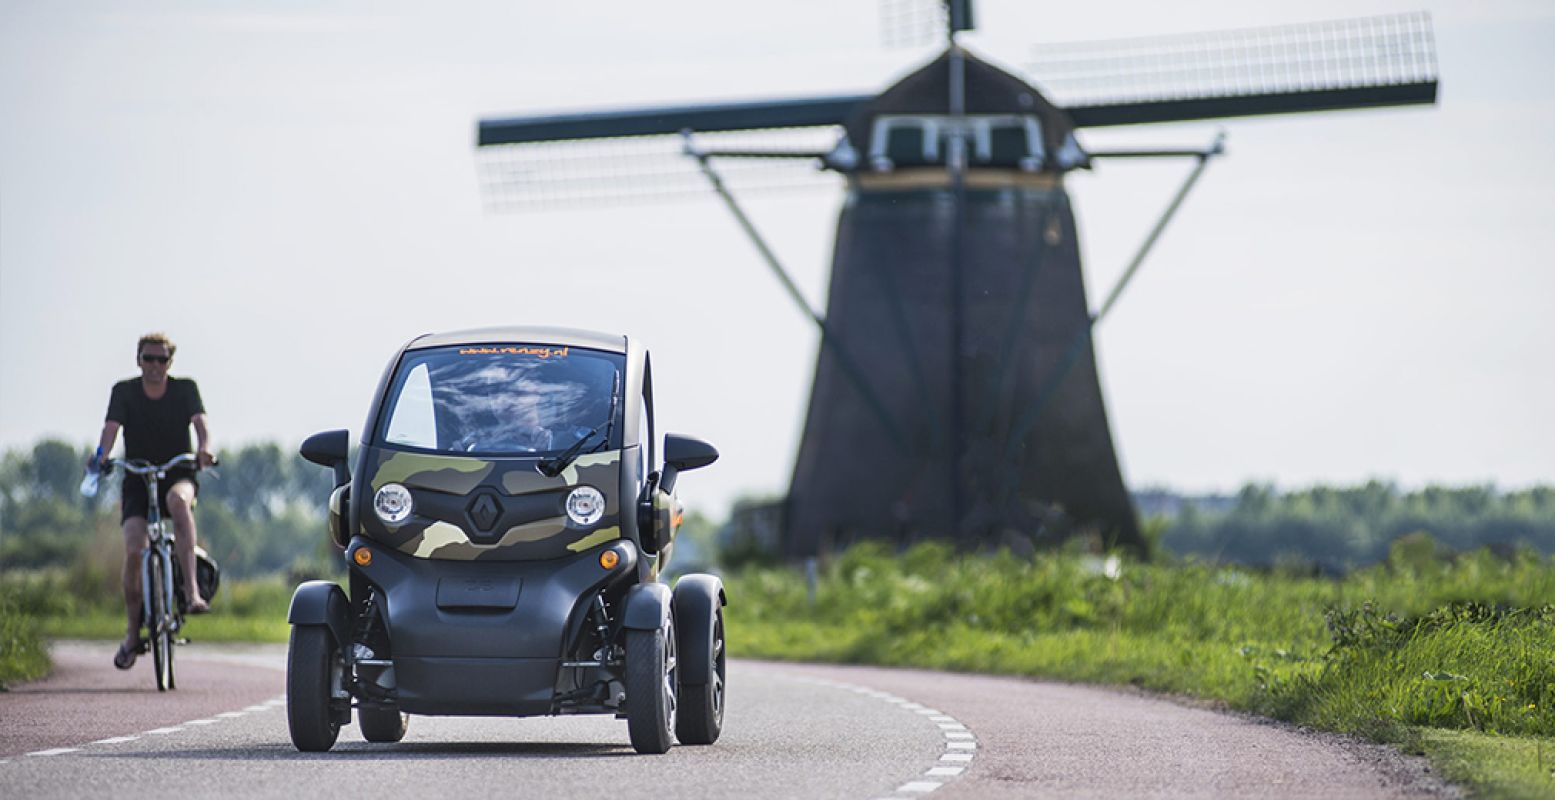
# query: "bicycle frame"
[159,548]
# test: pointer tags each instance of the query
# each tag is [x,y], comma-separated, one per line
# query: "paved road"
[791,731]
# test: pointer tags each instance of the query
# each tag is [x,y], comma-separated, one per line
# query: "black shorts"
[133,494]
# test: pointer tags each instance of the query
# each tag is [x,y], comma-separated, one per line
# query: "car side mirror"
[330,449]
[683,453]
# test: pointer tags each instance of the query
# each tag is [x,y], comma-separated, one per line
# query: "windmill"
[955,391]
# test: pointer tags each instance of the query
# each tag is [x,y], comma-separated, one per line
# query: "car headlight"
[585,505]
[392,503]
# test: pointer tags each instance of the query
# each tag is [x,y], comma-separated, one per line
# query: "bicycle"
[161,578]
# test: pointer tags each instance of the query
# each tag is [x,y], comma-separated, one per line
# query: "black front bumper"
[484,637]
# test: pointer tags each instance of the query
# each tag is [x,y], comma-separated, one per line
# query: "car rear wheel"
[701,713]
[382,724]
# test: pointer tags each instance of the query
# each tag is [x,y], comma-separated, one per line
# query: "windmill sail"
[1008,433]
[634,155]
[1359,63]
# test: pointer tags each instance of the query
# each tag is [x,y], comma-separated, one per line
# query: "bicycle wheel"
[161,637]
[173,618]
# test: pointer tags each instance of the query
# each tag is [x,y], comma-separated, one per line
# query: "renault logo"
[485,512]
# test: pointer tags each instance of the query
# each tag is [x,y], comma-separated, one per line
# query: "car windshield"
[508,399]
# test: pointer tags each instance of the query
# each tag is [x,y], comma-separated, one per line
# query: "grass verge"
[242,611]
[23,656]
[1450,658]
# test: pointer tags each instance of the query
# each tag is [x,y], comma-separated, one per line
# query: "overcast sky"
[290,190]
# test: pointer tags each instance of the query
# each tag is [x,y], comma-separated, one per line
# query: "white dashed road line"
[960,744]
[55,752]
[168,731]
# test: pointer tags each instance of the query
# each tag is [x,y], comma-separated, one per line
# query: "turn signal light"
[362,556]
[609,559]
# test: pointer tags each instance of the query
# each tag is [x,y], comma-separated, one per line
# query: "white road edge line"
[117,740]
[230,714]
[55,752]
[161,731]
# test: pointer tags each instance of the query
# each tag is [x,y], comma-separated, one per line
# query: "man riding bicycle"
[155,412]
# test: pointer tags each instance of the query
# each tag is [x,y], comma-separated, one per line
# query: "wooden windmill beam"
[757,115]
[1136,113]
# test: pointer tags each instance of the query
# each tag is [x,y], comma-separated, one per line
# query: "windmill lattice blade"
[1356,63]
[912,23]
[644,169]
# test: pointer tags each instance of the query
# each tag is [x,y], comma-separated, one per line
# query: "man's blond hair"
[155,338]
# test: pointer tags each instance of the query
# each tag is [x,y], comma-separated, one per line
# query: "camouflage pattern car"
[504,528]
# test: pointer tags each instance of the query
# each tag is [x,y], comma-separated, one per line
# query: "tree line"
[1335,529]
[261,511]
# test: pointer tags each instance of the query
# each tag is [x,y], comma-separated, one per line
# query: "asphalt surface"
[791,730]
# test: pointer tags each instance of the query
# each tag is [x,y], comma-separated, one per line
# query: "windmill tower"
[955,391]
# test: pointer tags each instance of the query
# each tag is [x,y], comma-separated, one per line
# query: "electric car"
[511,509]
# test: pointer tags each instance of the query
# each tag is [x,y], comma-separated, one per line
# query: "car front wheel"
[313,669]
[651,689]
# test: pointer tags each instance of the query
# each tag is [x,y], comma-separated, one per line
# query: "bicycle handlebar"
[142,467]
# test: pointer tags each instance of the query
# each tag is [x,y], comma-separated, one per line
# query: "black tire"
[311,666]
[382,724]
[172,646]
[650,689]
[161,636]
[700,717]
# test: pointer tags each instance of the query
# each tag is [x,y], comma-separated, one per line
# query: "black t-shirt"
[155,430]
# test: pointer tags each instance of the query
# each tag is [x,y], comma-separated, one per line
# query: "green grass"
[1453,658]
[242,611]
[23,656]
[1495,766]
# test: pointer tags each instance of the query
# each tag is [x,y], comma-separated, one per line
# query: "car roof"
[523,334]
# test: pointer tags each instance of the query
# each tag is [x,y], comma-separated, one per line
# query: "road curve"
[792,730]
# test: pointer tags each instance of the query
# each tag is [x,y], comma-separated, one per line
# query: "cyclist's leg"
[134,546]
[180,508]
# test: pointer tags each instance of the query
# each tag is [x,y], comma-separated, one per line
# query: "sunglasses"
[156,359]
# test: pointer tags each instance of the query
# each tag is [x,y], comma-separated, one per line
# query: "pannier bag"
[207,575]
